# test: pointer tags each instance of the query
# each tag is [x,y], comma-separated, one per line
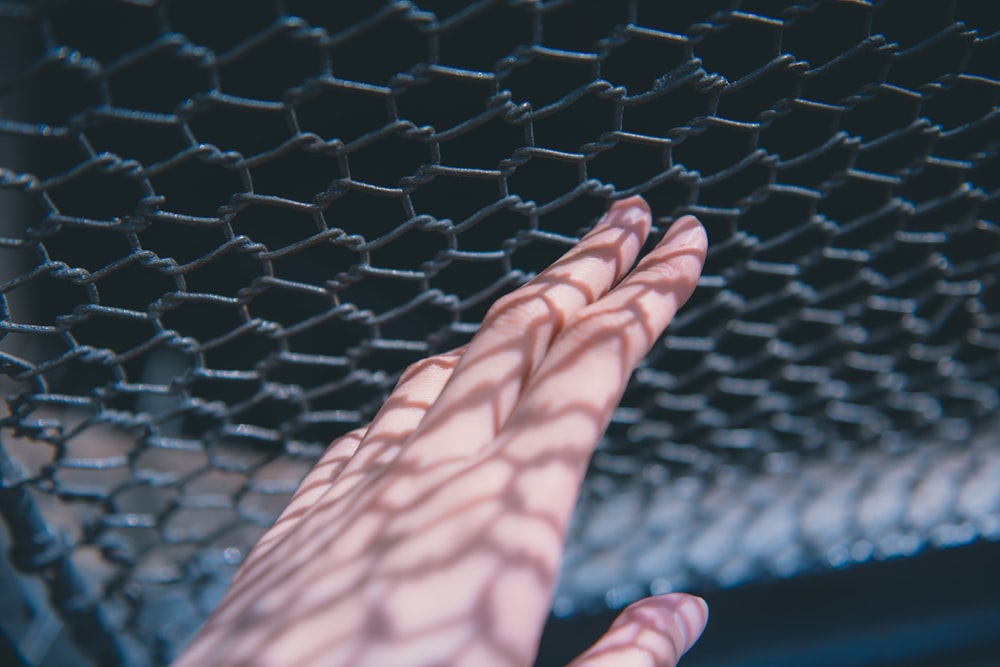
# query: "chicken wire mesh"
[226,227]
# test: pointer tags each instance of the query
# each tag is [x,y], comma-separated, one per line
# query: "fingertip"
[680,615]
[653,631]
[687,231]
[691,617]
[630,212]
[635,201]
[632,215]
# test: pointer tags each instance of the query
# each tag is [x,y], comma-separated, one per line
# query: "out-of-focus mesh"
[225,228]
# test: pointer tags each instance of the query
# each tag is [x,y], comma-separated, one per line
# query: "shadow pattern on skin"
[434,536]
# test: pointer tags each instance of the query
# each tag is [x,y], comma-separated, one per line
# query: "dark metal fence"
[225,227]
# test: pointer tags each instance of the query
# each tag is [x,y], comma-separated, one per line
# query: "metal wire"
[226,227]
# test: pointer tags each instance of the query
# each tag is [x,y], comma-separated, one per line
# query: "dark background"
[936,608]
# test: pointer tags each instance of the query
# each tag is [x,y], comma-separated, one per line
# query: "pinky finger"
[347,459]
[311,488]
[324,472]
[654,632]
[417,389]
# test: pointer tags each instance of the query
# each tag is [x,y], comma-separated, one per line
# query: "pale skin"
[433,536]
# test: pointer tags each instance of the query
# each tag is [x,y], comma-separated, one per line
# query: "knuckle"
[518,311]
[597,325]
[446,360]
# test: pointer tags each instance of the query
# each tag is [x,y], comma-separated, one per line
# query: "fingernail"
[691,617]
[686,231]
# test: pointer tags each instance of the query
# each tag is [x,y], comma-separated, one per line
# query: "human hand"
[434,535]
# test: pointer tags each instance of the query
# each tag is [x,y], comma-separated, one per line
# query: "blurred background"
[226,227]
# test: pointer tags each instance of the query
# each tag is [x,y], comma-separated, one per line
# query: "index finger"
[569,401]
